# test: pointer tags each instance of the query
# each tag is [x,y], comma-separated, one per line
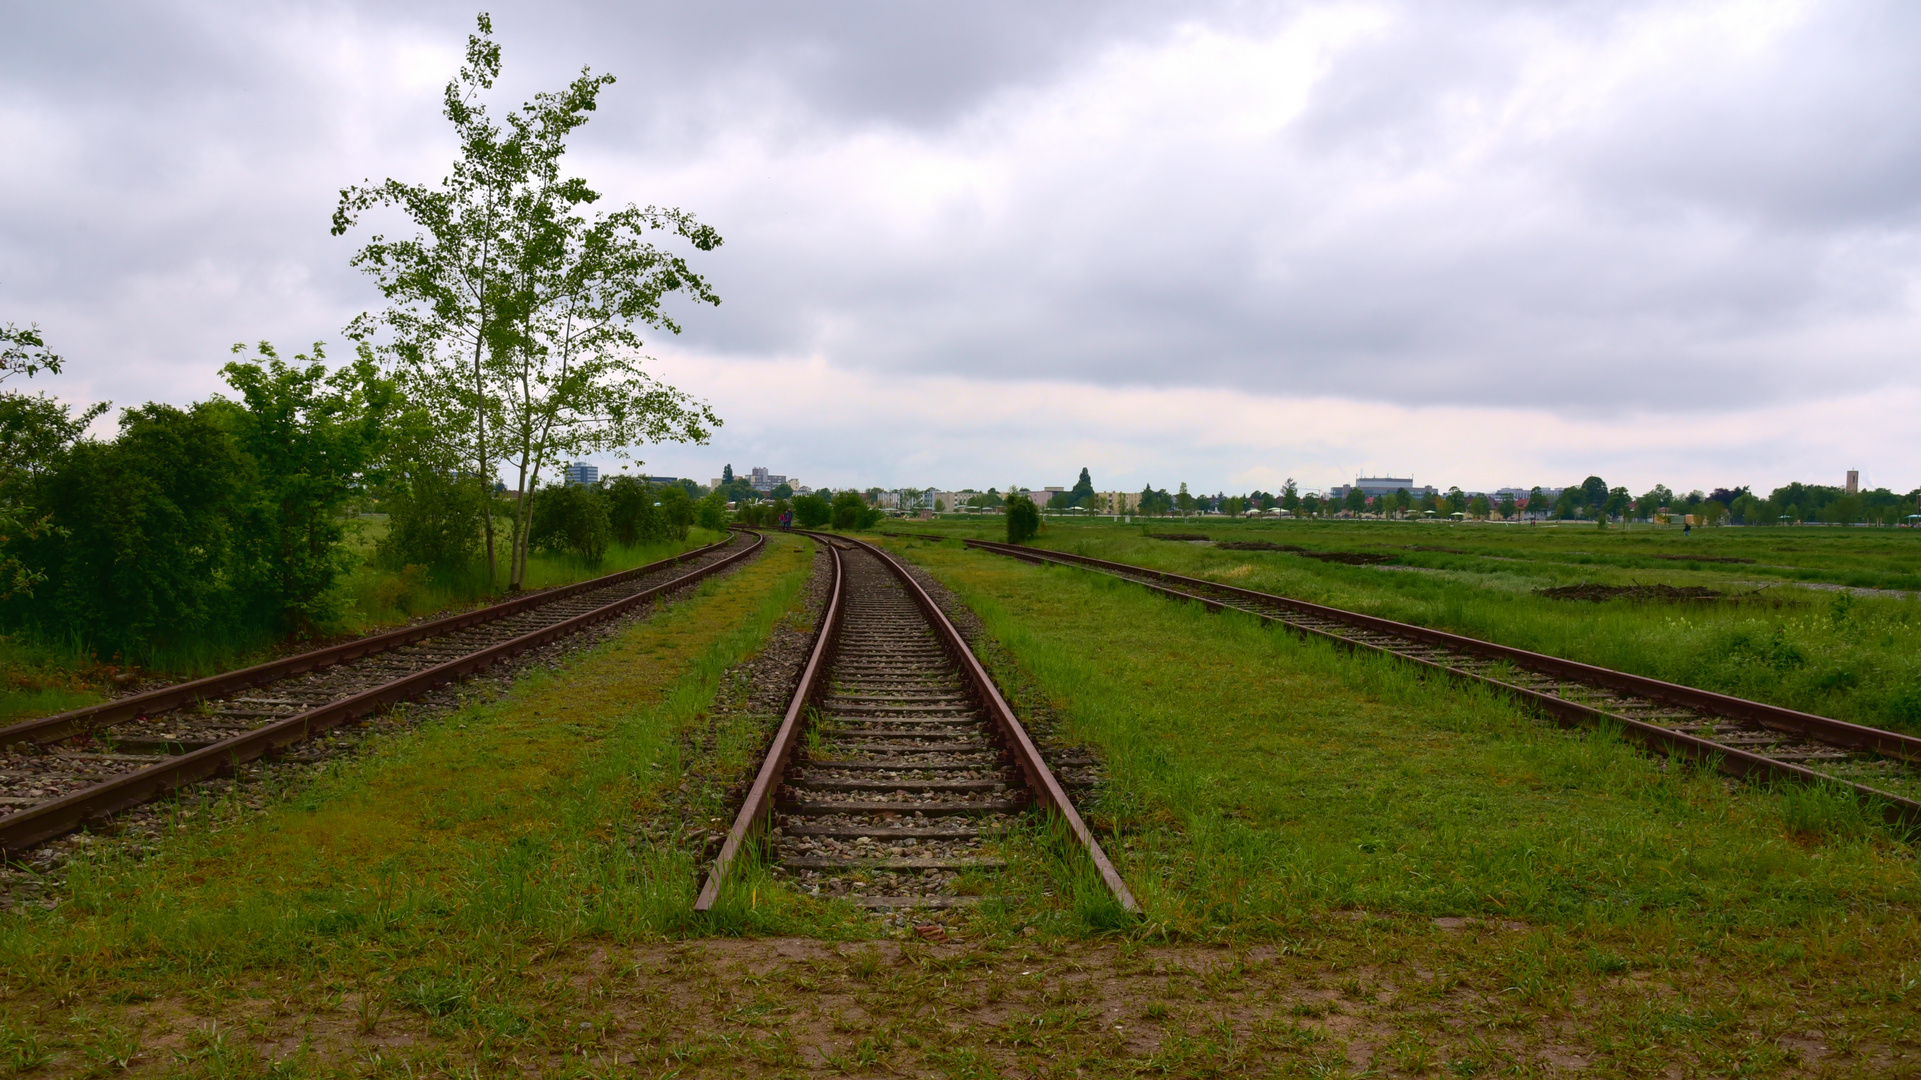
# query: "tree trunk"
[481,462]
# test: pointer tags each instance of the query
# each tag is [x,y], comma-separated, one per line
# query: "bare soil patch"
[1190,537]
[1700,558]
[1660,594]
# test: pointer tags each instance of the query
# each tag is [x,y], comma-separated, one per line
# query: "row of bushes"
[225,524]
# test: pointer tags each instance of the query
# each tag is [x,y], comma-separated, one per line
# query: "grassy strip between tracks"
[422,878]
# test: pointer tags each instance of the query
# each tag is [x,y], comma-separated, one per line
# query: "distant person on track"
[786,519]
[1687,529]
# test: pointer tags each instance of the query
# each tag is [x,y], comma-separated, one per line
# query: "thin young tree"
[511,310]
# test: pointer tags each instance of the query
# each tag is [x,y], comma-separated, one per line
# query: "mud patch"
[1188,537]
[1259,545]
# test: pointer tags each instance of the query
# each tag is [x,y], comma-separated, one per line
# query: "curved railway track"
[60,773]
[1741,737]
[897,759]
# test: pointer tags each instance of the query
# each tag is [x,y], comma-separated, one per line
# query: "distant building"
[1854,481]
[763,481]
[581,473]
[660,479]
[1115,503]
[1375,486]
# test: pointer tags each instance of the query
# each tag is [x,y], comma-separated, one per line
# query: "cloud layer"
[982,243]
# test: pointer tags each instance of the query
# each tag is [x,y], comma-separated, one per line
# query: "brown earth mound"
[1427,547]
[1700,558]
[1639,593]
[1177,536]
[1351,558]
[1257,545]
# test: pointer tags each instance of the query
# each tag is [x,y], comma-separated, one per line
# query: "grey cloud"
[1698,241]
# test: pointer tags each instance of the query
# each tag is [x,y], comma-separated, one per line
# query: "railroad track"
[60,773]
[897,759]
[1741,737]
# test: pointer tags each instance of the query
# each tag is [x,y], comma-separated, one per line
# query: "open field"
[38,678]
[1343,870]
[1851,655]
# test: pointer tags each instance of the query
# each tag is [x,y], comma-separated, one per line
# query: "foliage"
[35,433]
[308,436]
[632,510]
[676,509]
[517,307]
[812,512]
[711,511]
[25,352]
[149,558]
[572,518]
[216,522]
[847,510]
[1023,519]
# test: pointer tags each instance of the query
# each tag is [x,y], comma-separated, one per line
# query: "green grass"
[1266,788]
[1854,657]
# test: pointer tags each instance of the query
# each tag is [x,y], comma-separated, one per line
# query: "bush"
[636,511]
[433,520]
[148,560]
[1023,519]
[711,511]
[847,509]
[812,511]
[571,518]
[676,510]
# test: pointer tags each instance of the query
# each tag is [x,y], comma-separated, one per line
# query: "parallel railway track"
[897,759]
[60,773]
[1743,738]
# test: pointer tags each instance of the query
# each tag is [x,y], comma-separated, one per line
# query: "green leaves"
[512,311]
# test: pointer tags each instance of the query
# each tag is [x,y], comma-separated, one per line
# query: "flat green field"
[1808,618]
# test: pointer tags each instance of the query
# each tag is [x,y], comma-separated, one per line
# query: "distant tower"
[1854,481]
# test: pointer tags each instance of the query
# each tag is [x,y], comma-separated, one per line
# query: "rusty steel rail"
[760,798]
[1729,759]
[56,817]
[48,729]
[1039,778]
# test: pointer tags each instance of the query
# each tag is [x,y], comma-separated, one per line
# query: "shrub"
[847,508]
[711,511]
[676,509]
[633,512]
[812,511]
[1023,519]
[571,518]
[433,521]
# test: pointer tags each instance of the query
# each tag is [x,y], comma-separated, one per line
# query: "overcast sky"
[968,244]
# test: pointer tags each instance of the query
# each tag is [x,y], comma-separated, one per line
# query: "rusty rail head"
[760,798]
[48,729]
[56,817]
[1039,777]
